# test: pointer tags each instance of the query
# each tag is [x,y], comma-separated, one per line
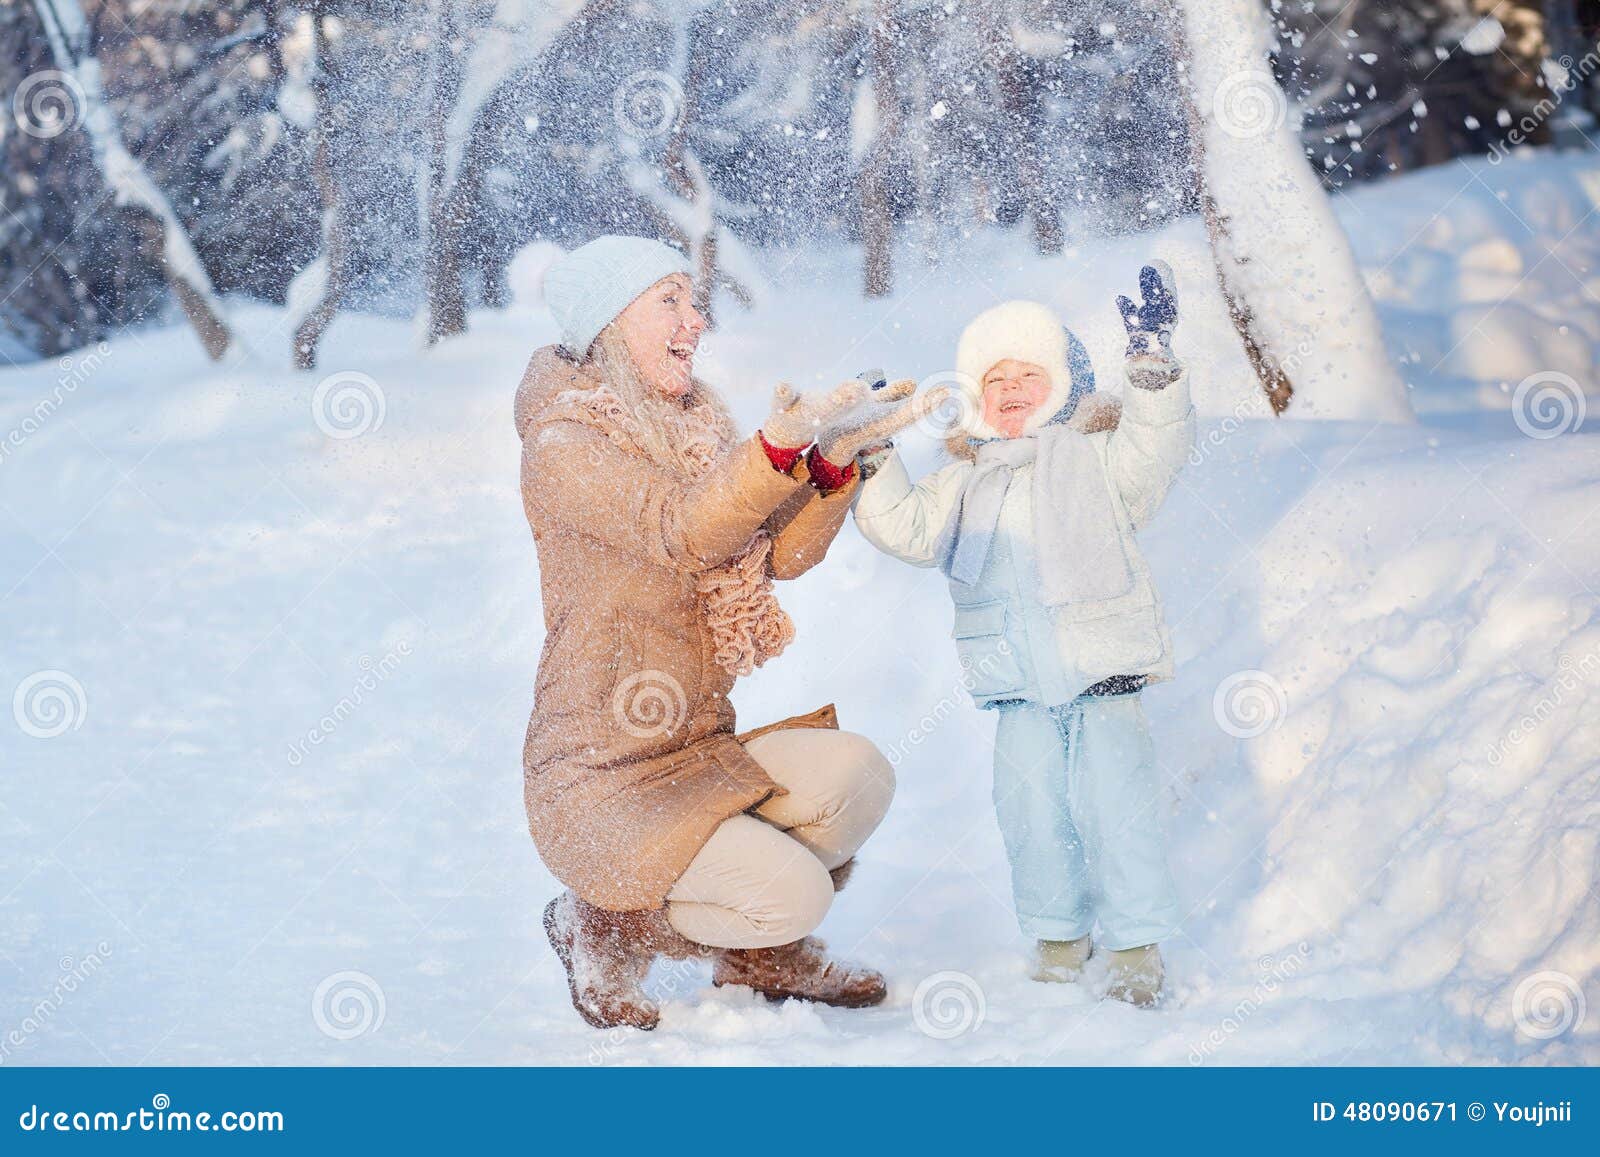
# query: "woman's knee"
[751,886]
[869,780]
[794,904]
[833,778]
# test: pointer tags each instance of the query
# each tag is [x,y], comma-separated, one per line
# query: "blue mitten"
[1150,324]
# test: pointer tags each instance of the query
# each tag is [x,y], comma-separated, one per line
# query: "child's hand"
[887,413]
[1150,323]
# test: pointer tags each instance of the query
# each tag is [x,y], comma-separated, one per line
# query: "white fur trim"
[1026,331]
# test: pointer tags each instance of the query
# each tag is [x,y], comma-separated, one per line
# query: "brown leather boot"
[800,971]
[607,956]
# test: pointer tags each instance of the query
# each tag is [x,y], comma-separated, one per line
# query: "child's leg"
[1049,878]
[1118,810]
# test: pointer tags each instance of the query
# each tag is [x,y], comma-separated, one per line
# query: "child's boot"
[1061,961]
[1136,975]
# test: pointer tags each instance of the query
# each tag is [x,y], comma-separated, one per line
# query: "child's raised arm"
[905,520]
[1156,434]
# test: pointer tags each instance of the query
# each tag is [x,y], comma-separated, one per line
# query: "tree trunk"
[1573,125]
[877,225]
[1269,371]
[1289,276]
[1022,99]
[130,183]
[463,107]
[447,307]
[332,259]
[687,179]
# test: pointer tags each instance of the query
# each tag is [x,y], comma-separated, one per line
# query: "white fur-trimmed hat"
[1026,331]
[588,287]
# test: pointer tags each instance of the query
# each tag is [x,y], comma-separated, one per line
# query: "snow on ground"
[282,821]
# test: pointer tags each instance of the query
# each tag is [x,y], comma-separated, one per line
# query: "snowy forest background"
[394,156]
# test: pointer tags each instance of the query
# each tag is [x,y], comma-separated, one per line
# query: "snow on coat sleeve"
[1150,445]
[580,479]
[905,520]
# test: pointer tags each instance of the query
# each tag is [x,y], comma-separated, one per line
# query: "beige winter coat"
[631,760]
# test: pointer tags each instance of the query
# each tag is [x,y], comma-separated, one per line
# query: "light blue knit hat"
[587,288]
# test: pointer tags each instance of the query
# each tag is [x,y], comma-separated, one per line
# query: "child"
[1057,622]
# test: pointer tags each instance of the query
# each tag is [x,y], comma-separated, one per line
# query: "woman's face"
[661,329]
[1012,391]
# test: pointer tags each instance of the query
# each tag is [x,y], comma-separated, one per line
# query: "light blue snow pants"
[1077,794]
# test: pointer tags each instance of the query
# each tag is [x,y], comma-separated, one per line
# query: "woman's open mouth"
[682,350]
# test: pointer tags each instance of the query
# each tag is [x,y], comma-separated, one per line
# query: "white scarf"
[1077,542]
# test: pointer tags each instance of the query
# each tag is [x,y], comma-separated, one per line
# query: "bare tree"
[441,267]
[470,82]
[1287,271]
[881,155]
[325,279]
[686,177]
[68,32]
[1022,97]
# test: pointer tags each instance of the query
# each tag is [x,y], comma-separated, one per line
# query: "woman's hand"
[797,419]
[887,413]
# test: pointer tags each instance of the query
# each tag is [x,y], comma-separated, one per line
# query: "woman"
[659,533]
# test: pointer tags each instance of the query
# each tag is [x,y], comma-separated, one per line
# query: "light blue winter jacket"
[1011,646]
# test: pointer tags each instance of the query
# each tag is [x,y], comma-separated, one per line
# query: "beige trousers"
[762,878]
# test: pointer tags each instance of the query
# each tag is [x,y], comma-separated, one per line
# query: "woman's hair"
[671,431]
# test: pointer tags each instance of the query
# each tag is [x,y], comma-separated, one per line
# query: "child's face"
[1012,391]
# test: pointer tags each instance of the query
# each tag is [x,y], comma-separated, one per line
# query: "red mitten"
[825,476]
[782,459]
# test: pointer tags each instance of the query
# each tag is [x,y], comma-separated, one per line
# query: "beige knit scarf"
[747,625]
